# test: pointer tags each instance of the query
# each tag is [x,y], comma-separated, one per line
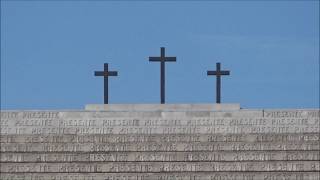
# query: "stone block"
[124,138]
[221,156]
[157,147]
[162,107]
[160,126]
[157,167]
[165,176]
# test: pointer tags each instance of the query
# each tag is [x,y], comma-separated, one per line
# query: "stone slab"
[123,138]
[154,146]
[156,167]
[162,156]
[161,130]
[165,176]
[227,126]
[162,107]
[169,123]
[268,113]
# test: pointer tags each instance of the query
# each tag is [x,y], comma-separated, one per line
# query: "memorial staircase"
[161,142]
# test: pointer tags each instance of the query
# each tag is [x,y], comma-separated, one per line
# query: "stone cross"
[218,73]
[106,73]
[162,59]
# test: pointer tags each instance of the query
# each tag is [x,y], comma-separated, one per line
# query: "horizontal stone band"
[152,146]
[162,156]
[165,176]
[290,113]
[171,176]
[33,124]
[161,167]
[111,138]
[314,128]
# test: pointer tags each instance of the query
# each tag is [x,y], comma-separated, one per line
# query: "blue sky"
[49,51]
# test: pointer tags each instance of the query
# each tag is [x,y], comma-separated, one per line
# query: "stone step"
[157,167]
[159,146]
[169,142]
[185,129]
[106,138]
[62,114]
[43,122]
[165,176]
[162,156]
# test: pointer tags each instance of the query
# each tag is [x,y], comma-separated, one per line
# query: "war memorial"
[160,141]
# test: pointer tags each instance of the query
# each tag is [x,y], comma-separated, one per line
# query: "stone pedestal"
[162,107]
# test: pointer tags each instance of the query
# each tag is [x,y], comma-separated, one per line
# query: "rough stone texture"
[160,142]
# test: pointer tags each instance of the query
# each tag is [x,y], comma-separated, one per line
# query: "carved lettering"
[9,115]
[87,145]
[41,114]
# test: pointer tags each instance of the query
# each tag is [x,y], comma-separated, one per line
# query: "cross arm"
[211,73]
[113,73]
[218,72]
[171,59]
[99,73]
[224,72]
[154,59]
[110,73]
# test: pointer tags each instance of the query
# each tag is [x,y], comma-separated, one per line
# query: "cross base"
[162,107]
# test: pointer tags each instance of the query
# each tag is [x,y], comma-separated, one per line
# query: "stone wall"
[179,144]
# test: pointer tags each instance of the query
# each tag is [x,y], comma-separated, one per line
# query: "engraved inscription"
[162,156]
[88,145]
[44,122]
[40,114]
[123,138]
[162,167]
[153,146]
[165,176]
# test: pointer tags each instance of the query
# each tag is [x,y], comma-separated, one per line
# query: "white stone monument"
[161,142]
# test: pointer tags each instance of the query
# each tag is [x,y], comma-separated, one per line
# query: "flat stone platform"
[162,107]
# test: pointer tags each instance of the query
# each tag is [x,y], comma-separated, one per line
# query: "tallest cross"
[162,59]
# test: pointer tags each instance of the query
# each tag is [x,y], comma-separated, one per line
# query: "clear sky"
[50,50]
